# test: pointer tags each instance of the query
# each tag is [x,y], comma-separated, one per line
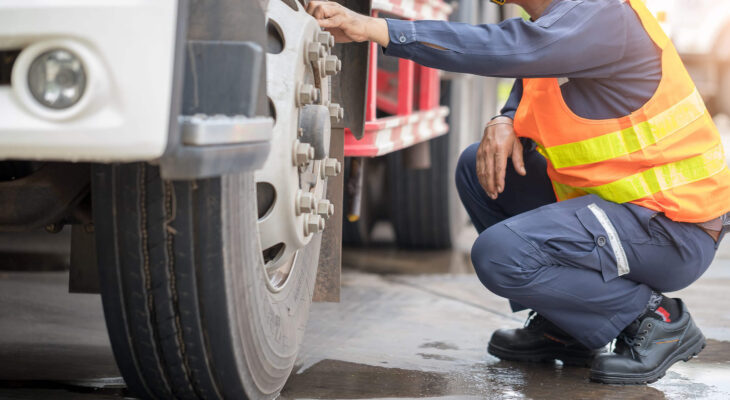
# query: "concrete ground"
[415,335]
[410,325]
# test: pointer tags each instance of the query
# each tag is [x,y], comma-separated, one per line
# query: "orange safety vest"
[667,156]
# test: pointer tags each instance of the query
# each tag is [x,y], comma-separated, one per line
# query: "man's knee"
[466,167]
[495,256]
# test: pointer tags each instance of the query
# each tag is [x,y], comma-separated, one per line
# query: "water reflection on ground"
[416,324]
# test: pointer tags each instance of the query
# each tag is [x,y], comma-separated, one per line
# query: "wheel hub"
[291,186]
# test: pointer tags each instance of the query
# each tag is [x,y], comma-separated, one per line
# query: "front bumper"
[128,49]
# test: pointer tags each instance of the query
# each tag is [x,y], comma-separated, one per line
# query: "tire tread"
[420,201]
[167,360]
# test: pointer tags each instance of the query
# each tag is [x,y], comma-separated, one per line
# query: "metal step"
[207,130]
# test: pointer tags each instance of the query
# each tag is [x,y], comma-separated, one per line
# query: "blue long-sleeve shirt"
[612,65]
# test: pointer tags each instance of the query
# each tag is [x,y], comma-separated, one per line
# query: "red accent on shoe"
[554,339]
[664,313]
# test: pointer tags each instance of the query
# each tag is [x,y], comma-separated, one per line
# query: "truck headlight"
[57,79]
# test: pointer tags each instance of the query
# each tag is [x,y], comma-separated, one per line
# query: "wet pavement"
[416,336]
[410,325]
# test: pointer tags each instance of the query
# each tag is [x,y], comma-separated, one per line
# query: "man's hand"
[348,26]
[498,144]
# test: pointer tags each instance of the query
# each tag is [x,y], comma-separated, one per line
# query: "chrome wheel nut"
[325,209]
[307,94]
[336,112]
[331,168]
[313,223]
[326,39]
[303,153]
[332,65]
[306,202]
[315,51]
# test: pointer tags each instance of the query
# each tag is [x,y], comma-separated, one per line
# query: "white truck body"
[127,49]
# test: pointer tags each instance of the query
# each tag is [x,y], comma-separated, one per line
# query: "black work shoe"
[647,348]
[539,341]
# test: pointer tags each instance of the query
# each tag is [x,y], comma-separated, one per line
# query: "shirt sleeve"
[510,107]
[575,39]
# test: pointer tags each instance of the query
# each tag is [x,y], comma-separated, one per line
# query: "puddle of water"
[439,345]
[332,379]
[707,377]
[428,356]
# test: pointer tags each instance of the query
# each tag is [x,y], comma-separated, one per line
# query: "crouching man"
[617,188]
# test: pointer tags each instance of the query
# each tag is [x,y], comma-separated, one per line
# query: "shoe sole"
[571,358]
[684,353]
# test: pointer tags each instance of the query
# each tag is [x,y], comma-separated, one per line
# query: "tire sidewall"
[267,326]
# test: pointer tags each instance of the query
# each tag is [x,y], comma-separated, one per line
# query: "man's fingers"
[481,171]
[332,22]
[313,8]
[313,5]
[500,168]
[517,158]
[322,10]
[489,172]
[482,164]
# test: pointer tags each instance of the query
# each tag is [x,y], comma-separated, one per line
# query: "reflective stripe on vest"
[653,180]
[629,140]
[666,156]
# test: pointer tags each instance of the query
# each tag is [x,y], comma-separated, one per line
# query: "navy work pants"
[586,264]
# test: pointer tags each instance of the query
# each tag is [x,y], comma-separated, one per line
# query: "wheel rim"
[291,185]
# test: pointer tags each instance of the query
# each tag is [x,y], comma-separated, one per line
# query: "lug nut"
[326,39]
[306,202]
[315,50]
[336,112]
[313,223]
[330,168]
[307,94]
[303,153]
[332,65]
[325,209]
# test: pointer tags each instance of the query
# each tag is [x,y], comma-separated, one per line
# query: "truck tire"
[189,311]
[424,208]
[206,284]
[419,199]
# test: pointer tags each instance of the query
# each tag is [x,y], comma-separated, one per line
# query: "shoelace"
[634,341]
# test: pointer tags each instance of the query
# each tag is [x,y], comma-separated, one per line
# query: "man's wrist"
[377,31]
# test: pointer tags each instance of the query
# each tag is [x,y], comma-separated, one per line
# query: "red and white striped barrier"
[416,120]
[414,9]
[386,135]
